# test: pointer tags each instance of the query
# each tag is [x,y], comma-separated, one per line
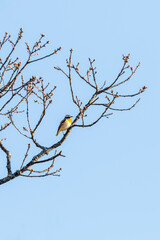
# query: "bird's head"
[68,117]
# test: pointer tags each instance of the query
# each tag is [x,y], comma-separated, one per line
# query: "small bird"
[64,124]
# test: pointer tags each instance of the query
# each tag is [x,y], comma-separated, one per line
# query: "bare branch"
[8,156]
[26,155]
[125,109]
[49,55]
[84,78]
[93,73]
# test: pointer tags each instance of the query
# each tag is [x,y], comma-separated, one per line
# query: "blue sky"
[109,187]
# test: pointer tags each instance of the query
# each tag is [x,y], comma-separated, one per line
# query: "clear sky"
[109,187]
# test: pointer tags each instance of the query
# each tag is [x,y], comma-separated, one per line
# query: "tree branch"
[34,91]
[8,156]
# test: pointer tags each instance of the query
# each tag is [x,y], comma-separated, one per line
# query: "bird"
[64,124]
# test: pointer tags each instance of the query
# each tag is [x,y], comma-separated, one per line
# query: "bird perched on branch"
[64,124]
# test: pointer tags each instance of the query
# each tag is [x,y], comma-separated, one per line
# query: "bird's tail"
[57,132]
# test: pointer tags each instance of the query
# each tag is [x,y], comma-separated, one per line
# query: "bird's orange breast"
[69,120]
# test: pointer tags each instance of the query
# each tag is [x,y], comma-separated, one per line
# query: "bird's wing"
[60,126]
